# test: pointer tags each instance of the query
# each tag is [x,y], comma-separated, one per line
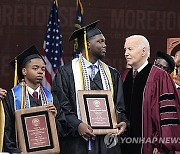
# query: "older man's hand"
[121,127]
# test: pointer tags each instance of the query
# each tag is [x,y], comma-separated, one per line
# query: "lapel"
[33,102]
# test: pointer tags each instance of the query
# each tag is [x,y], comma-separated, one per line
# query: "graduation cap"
[20,61]
[85,33]
[167,58]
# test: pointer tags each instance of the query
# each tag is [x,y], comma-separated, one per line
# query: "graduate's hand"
[121,127]
[85,130]
[3,93]
[52,108]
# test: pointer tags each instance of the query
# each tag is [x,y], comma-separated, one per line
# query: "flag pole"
[78,24]
[57,3]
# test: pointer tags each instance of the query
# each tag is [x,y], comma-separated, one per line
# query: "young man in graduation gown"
[151,101]
[31,69]
[76,76]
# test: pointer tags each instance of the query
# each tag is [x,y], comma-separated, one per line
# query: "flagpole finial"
[57,3]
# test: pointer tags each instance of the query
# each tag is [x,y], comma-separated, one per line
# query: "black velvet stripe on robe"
[133,97]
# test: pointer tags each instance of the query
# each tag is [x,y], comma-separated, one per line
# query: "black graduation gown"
[133,96]
[63,90]
[9,133]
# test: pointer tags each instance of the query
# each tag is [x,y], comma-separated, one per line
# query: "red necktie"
[35,95]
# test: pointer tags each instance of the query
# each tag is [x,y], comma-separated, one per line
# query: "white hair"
[144,43]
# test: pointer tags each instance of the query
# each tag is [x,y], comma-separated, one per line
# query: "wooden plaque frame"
[98,103]
[36,129]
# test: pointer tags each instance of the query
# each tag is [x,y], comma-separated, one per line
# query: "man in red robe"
[151,100]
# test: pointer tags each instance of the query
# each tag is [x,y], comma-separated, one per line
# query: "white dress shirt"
[31,91]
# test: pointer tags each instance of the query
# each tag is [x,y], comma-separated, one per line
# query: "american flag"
[52,47]
[79,22]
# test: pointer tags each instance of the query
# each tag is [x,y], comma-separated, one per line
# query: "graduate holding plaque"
[88,72]
[27,94]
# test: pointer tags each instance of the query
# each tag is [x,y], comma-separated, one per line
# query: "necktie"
[135,74]
[35,95]
[92,71]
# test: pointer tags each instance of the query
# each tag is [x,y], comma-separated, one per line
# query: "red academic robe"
[161,112]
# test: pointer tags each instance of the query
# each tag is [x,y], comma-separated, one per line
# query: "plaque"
[97,110]
[36,130]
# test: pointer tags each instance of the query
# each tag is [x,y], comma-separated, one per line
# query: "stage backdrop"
[23,23]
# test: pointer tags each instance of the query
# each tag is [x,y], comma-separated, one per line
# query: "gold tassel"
[22,96]
[85,45]
[174,72]
[15,73]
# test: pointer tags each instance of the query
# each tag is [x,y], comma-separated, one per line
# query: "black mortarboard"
[91,31]
[167,58]
[24,57]
[83,34]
